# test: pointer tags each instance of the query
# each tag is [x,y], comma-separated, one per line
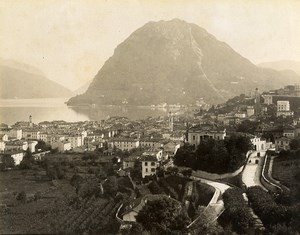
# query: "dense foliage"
[237,210]
[271,213]
[27,161]
[295,144]
[163,216]
[216,156]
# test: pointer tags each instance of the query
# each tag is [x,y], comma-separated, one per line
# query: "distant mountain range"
[283,65]
[176,62]
[18,80]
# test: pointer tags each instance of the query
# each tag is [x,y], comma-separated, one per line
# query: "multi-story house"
[75,140]
[283,108]
[43,136]
[151,143]
[12,133]
[258,143]
[31,134]
[282,143]
[289,131]
[149,165]
[124,144]
[197,134]
[16,145]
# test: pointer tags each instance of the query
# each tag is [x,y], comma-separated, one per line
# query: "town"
[92,176]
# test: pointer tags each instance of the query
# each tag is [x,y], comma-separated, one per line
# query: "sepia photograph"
[150,117]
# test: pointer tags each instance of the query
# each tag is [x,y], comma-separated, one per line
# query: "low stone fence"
[270,186]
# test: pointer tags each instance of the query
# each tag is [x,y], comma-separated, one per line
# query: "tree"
[42,145]
[295,144]
[27,160]
[162,216]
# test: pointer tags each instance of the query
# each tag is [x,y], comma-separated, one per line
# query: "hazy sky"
[70,40]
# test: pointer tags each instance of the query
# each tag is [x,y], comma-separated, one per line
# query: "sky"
[69,40]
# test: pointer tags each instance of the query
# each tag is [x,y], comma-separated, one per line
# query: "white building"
[197,134]
[76,141]
[240,115]
[250,111]
[149,165]
[44,136]
[18,157]
[4,137]
[16,145]
[12,133]
[151,143]
[31,134]
[258,143]
[124,144]
[31,145]
[283,108]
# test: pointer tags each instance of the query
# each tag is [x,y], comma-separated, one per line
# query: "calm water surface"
[13,110]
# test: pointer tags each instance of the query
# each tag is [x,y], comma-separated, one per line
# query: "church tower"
[30,121]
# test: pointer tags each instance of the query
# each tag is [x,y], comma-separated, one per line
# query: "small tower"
[30,121]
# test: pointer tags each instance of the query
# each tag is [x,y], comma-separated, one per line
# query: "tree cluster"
[215,156]
[271,213]
[237,210]
[163,216]
[27,161]
[295,144]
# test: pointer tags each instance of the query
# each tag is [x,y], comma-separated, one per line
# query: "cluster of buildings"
[116,133]
[286,99]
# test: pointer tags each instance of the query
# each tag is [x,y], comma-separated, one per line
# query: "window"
[152,169]
[194,137]
[152,163]
[146,163]
[146,169]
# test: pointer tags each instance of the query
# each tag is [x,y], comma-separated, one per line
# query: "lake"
[13,110]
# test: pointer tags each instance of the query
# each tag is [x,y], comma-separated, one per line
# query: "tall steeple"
[30,121]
